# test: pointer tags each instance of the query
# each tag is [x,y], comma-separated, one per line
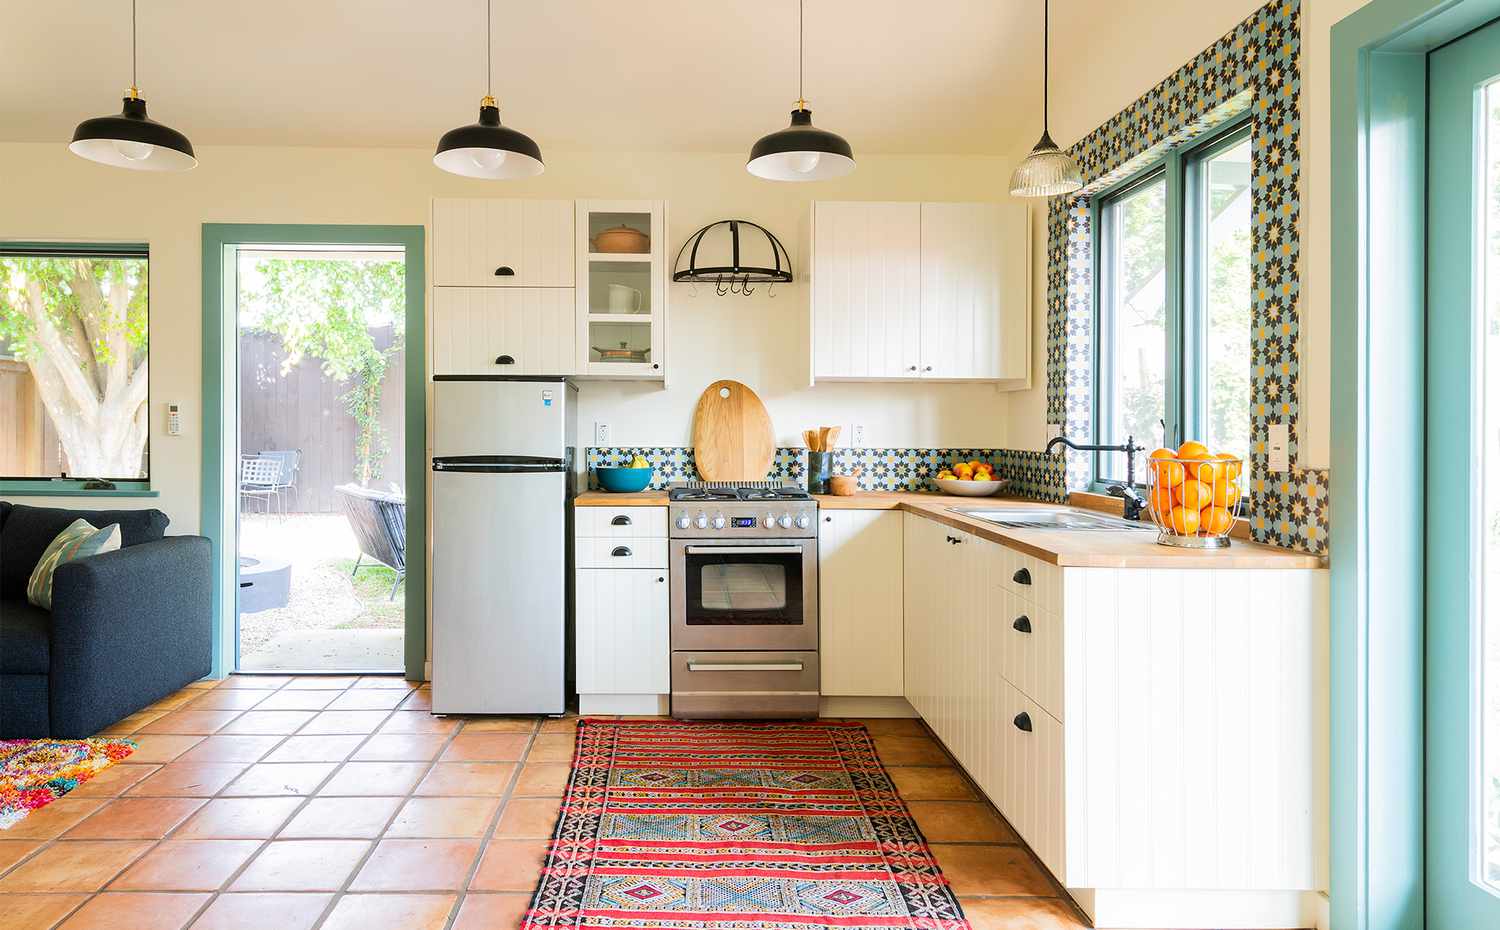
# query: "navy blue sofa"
[126,628]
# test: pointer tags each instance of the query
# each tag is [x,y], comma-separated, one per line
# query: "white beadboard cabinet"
[860,616]
[937,291]
[623,612]
[503,330]
[502,242]
[1157,736]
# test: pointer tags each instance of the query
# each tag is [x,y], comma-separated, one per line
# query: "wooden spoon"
[833,436]
[811,438]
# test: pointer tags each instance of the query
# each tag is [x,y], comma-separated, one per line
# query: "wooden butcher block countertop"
[1072,548]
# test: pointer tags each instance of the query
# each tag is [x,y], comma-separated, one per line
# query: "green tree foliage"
[80,326]
[325,308]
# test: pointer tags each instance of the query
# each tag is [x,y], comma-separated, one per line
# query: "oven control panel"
[779,520]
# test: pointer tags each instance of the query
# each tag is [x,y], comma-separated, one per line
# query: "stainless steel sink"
[1061,518]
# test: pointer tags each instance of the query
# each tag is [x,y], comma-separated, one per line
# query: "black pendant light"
[486,149]
[1048,170]
[132,139]
[801,152]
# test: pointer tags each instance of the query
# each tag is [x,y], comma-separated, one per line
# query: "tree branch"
[57,352]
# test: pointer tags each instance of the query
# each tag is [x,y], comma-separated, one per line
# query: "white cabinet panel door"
[474,242]
[975,292]
[623,627]
[475,329]
[860,620]
[866,282]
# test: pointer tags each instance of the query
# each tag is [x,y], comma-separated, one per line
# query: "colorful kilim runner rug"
[36,772]
[736,826]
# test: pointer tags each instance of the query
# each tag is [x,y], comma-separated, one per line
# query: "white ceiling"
[940,76]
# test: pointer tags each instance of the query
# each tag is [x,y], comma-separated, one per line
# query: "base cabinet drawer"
[619,522]
[624,552]
[624,630]
[1030,648]
[726,684]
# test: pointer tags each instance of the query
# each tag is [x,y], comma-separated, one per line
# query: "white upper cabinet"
[921,290]
[494,242]
[621,288]
[502,331]
[866,299]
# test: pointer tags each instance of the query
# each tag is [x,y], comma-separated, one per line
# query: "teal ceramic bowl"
[623,480]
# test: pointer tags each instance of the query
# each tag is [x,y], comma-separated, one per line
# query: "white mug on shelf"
[624,299]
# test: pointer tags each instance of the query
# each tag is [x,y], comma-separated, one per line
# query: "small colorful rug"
[36,772]
[710,826]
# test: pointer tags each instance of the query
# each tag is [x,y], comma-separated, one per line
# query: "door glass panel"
[1224,218]
[1133,276]
[619,343]
[1487,634]
[753,589]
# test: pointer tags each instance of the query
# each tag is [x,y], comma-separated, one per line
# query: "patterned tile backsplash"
[1032,475]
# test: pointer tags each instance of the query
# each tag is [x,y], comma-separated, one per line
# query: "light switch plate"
[1054,430]
[1278,440]
[601,434]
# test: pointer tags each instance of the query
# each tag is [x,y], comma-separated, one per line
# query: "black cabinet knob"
[620,551]
[620,520]
[1023,721]
[1022,576]
[661,578]
[505,271]
[1022,624]
[505,360]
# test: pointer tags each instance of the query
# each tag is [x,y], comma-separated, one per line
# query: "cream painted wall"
[1126,56]
[761,340]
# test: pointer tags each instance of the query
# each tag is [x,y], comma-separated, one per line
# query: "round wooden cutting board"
[732,435]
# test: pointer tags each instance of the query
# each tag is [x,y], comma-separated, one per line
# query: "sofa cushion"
[28,531]
[4,512]
[78,540]
[24,644]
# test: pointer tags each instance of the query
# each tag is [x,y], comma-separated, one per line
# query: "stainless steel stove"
[744,559]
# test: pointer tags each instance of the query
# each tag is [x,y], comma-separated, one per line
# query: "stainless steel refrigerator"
[504,471]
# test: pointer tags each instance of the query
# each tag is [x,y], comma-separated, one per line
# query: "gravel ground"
[322,549]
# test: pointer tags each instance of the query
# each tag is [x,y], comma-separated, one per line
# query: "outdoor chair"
[286,481]
[379,523]
[258,479]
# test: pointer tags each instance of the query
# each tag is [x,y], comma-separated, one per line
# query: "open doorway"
[320,336]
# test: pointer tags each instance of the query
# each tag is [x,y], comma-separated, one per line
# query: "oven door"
[745,594]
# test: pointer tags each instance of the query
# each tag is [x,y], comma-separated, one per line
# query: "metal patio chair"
[379,523]
[258,477]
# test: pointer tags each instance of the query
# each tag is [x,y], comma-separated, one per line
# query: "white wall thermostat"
[174,420]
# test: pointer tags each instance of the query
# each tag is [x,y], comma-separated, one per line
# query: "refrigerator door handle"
[498,464]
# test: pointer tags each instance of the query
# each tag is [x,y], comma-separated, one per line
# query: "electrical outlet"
[857,435]
[1278,440]
[1054,430]
[601,434]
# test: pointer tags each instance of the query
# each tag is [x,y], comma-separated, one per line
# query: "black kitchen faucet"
[1135,505]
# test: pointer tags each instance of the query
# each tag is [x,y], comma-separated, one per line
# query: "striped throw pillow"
[78,541]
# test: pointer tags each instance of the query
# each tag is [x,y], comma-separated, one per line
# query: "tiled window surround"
[1255,67]
[1032,475]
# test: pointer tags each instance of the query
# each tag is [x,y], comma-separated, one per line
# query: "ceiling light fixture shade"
[1048,171]
[487,149]
[802,151]
[132,139]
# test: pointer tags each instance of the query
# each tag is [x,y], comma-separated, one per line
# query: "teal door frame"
[220,403]
[1378,305]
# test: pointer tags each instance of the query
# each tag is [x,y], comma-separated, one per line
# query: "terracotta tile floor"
[307,802]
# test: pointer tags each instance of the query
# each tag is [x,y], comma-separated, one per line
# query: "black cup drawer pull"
[1023,722]
[620,520]
[620,551]
[505,360]
[1022,576]
[1022,624]
[505,271]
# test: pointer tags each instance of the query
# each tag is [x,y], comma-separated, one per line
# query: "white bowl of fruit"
[969,479]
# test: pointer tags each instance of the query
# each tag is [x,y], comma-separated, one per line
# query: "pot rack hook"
[771,290]
[719,286]
[745,288]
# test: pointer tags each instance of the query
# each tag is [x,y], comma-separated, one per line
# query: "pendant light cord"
[133,84]
[1046,51]
[489,49]
[801,100]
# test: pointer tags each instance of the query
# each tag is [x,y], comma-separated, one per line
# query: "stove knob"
[803,521]
[718,521]
[785,522]
[684,521]
[768,521]
[702,520]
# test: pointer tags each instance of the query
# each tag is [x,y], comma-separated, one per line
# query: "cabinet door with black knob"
[502,331]
[502,242]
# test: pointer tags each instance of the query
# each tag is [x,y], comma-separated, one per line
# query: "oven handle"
[744,550]
[745,666]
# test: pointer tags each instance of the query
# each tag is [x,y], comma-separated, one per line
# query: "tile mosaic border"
[1256,66]
[1033,475]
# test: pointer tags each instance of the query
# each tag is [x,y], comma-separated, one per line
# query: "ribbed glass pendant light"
[132,139]
[801,152]
[1048,170]
[486,149]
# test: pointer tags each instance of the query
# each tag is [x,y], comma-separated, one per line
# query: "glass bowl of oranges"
[1195,495]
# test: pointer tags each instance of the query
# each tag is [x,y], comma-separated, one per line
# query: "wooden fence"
[28,440]
[304,410]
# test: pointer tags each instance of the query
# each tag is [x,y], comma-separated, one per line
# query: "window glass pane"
[1133,324]
[73,376]
[1224,221]
[1487,689]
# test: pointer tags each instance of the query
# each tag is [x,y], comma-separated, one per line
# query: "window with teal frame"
[1172,263]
